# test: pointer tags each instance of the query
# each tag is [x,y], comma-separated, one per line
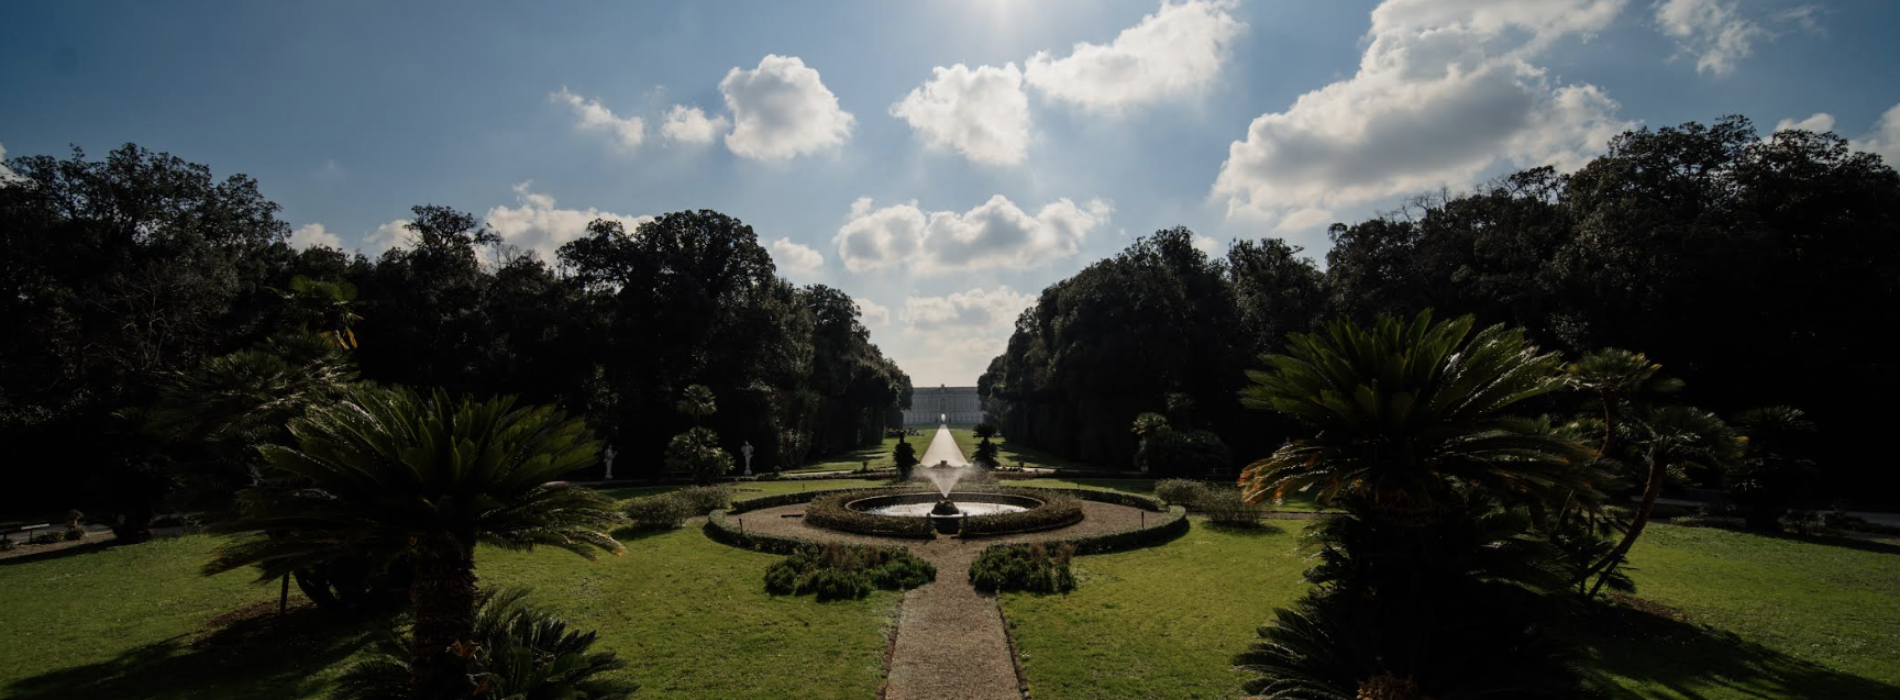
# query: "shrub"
[663,512]
[7,544]
[904,456]
[1842,520]
[847,571]
[48,537]
[75,534]
[700,500]
[830,512]
[1181,492]
[1226,507]
[520,652]
[1183,452]
[697,452]
[1058,510]
[1024,567]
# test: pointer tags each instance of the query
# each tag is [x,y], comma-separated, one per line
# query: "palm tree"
[697,401]
[395,473]
[1615,376]
[1403,413]
[1671,438]
[1767,478]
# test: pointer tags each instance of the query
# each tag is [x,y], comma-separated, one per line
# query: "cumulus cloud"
[1819,122]
[782,110]
[594,116]
[1443,92]
[981,113]
[1206,244]
[536,224]
[1713,31]
[796,257]
[873,313]
[977,309]
[955,360]
[1885,139]
[994,234]
[685,124]
[389,236]
[1177,50]
[312,235]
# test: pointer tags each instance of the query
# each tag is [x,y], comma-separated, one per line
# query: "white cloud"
[1711,30]
[956,361]
[1443,92]
[389,236]
[1885,139]
[1206,244]
[685,124]
[1176,51]
[539,226]
[873,313]
[629,131]
[312,235]
[981,113]
[1303,219]
[1819,122]
[795,257]
[782,110]
[994,234]
[978,309]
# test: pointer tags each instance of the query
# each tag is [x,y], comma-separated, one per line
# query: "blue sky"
[941,161]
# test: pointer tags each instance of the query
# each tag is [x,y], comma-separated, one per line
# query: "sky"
[942,161]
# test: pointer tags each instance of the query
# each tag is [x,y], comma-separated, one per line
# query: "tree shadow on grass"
[1671,657]
[250,653]
[1262,528]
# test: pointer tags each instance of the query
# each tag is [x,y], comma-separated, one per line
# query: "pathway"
[950,638]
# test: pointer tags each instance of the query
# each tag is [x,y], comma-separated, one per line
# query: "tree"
[696,401]
[1402,413]
[986,452]
[697,451]
[1660,441]
[1769,475]
[905,457]
[1427,586]
[396,474]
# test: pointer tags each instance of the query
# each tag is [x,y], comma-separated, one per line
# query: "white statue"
[745,450]
[608,457]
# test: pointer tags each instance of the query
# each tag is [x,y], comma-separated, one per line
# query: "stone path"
[951,641]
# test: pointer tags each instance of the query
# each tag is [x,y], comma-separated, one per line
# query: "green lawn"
[690,616]
[1768,618]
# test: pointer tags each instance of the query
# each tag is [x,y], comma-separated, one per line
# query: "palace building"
[958,404]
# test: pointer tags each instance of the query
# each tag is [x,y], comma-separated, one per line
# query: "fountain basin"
[922,505]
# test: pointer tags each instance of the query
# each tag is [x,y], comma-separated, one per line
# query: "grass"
[1766,618]
[690,616]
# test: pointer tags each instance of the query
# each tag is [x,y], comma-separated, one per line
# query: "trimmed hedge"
[1119,498]
[830,512]
[847,571]
[1058,510]
[1023,567]
[662,512]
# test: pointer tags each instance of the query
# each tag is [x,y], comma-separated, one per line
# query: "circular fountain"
[946,512]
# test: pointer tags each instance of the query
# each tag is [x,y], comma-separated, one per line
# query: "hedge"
[830,513]
[1059,510]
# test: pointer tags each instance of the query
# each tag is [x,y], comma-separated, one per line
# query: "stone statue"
[745,450]
[608,457]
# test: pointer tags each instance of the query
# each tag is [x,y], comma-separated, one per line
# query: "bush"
[662,512]
[1024,567]
[7,544]
[697,452]
[48,537]
[1226,507]
[830,512]
[521,652]
[1168,451]
[847,571]
[75,534]
[1841,520]
[700,500]
[1181,492]
[1058,510]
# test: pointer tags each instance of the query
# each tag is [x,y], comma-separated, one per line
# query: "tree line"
[1755,269]
[140,291]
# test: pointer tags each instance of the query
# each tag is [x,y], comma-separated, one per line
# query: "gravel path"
[950,639]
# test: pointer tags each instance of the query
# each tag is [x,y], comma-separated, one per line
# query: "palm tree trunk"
[1650,492]
[443,595]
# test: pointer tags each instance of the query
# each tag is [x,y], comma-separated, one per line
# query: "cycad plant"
[392,473]
[1663,441]
[1401,413]
[1433,576]
[525,653]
